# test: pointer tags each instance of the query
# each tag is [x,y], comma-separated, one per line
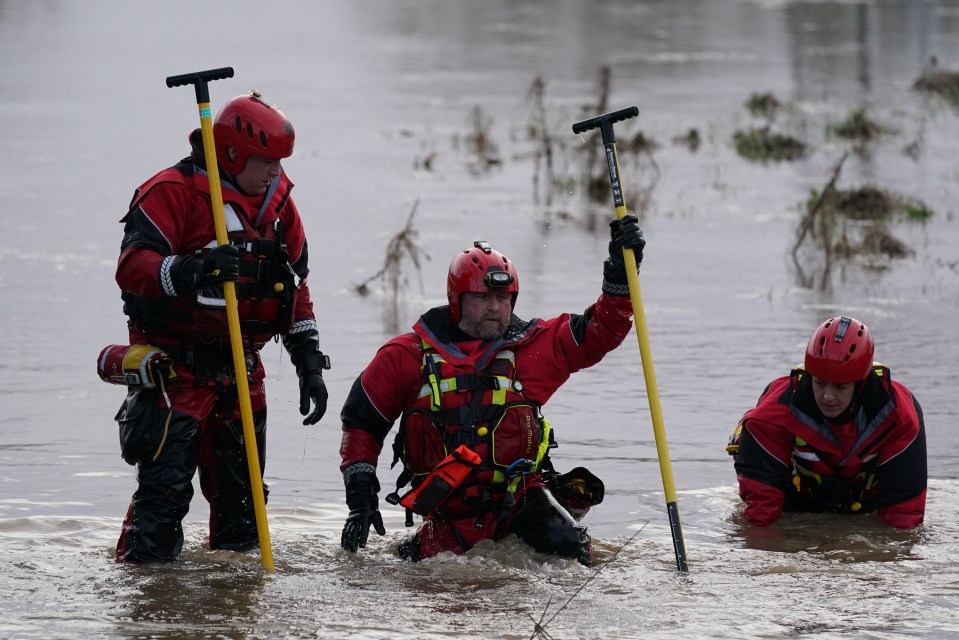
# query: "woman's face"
[832,398]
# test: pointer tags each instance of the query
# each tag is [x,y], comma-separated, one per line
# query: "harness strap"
[515,473]
[841,491]
[433,375]
[258,289]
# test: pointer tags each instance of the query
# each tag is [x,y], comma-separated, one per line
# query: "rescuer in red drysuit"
[171,272]
[837,435]
[472,373]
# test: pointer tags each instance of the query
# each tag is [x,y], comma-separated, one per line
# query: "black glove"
[192,273]
[624,233]
[361,489]
[222,263]
[309,368]
[313,388]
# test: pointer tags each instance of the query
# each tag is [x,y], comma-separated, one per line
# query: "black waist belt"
[209,359]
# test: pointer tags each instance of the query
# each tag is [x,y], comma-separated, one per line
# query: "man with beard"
[468,385]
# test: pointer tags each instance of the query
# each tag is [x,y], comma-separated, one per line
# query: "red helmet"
[252,126]
[840,351]
[479,270]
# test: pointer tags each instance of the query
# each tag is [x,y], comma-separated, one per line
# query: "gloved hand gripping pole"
[605,124]
[199,80]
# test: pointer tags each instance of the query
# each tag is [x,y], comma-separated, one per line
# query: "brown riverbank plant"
[851,225]
[941,82]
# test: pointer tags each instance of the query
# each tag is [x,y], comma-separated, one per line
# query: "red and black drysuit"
[170,217]
[870,458]
[499,420]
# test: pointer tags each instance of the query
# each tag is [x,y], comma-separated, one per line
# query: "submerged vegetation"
[764,144]
[851,224]
[482,152]
[561,166]
[939,82]
[763,105]
[401,248]
[858,128]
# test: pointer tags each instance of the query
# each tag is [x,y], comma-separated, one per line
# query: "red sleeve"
[386,387]
[764,503]
[569,343]
[906,515]
[358,445]
[294,236]
[160,225]
[392,379]
[608,321]
[763,459]
[902,473]
[293,233]
[303,306]
[762,468]
[138,271]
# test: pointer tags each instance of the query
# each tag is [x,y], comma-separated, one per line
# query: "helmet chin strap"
[231,177]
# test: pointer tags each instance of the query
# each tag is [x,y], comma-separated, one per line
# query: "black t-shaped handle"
[605,122]
[200,79]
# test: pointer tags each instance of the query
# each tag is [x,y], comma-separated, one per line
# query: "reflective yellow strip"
[447,384]
[436,399]
[809,474]
[543,444]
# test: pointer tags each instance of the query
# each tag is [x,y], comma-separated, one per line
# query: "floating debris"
[400,248]
[847,224]
[858,128]
[763,105]
[864,203]
[870,203]
[640,143]
[761,145]
[690,140]
[482,151]
[944,84]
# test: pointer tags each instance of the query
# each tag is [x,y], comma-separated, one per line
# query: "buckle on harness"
[519,467]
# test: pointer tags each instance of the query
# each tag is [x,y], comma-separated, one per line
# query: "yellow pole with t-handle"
[199,80]
[605,124]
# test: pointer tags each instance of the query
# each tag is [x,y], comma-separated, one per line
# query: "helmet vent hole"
[249,131]
[238,124]
[263,140]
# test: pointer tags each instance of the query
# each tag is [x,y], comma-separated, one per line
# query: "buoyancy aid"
[266,291]
[824,474]
[481,407]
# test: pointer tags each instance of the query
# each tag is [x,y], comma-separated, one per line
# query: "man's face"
[485,315]
[256,176]
[832,398]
